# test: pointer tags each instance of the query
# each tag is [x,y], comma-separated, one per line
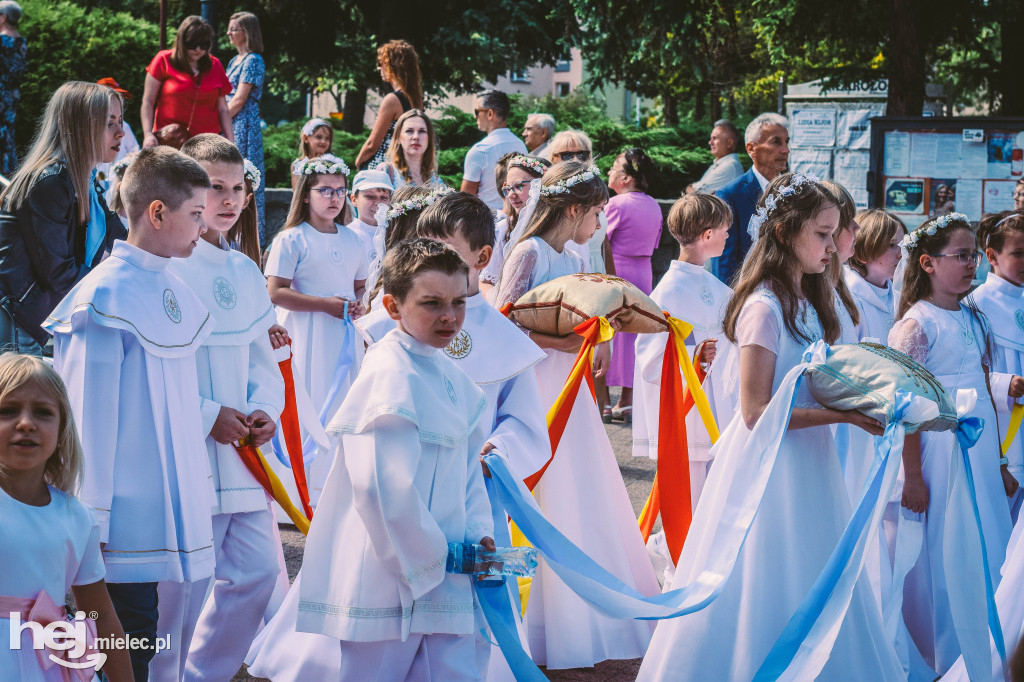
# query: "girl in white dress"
[1001,298]
[951,339]
[846,307]
[315,275]
[49,541]
[876,253]
[581,492]
[782,303]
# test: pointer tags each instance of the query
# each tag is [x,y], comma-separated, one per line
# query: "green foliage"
[680,153]
[68,42]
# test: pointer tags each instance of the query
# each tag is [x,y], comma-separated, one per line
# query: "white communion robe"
[319,264]
[237,369]
[125,339]
[406,481]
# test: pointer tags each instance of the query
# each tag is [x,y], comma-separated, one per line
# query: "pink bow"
[43,611]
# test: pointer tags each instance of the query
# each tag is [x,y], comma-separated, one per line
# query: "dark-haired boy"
[406,482]
[125,339]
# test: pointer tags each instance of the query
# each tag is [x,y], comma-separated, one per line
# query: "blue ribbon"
[341,372]
[847,558]
[497,604]
[968,431]
[96,230]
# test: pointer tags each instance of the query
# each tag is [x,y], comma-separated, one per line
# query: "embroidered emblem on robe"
[460,347]
[171,306]
[224,293]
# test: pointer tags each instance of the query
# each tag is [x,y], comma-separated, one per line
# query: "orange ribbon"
[292,434]
[261,471]
[673,452]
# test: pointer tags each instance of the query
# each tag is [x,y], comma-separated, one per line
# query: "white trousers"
[421,658]
[232,612]
[177,621]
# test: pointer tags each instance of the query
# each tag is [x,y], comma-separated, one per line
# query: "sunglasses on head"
[574,156]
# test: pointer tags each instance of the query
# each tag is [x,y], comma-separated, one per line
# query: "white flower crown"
[771,201]
[531,163]
[119,167]
[328,164]
[312,124]
[252,174]
[910,241]
[562,186]
[385,214]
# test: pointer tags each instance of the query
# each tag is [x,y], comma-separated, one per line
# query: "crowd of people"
[357,377]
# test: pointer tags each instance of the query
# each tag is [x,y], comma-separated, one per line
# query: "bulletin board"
[922,167]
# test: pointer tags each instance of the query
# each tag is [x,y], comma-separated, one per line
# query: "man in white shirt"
[726,166]
[491,109]
[537,133]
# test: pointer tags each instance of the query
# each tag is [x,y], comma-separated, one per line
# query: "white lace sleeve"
[517,274]
[907,336]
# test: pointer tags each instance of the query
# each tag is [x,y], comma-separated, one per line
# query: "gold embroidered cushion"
[866,376]
[556,307]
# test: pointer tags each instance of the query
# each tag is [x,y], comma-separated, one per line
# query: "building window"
[562,66]
[561,89]
[521,76]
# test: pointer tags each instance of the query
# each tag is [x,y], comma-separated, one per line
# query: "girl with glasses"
[316,273]
[186,89]
[944,331]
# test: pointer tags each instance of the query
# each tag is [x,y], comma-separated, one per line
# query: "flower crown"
[910,241]
[119,168]
[312,124]
[562,186]
[530,163]
[328,164]
[771,201]
[388,213]
[252,174]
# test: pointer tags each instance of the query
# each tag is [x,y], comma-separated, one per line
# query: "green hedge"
[680,153]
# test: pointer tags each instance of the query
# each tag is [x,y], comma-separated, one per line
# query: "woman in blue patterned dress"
[246,72]
[13,60]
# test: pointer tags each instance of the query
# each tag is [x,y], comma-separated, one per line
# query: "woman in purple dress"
[634,226]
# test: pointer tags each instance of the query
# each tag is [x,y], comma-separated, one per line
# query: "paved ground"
[638,474]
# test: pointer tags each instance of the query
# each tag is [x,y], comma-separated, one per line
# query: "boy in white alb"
[407,481]
[125,339]
[370,189]
[496,361]
[241,396]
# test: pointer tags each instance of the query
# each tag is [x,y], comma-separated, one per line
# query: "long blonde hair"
[71,129]
[396,153]
[64,467]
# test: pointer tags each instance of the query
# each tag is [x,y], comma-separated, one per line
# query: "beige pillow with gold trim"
[556,307]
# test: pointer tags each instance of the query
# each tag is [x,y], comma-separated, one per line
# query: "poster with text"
[816,162]
[853,130]
[904,195]
[813,127]
[999,195]
[897,153]
[851,171]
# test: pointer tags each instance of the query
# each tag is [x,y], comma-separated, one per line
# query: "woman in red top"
[187,85]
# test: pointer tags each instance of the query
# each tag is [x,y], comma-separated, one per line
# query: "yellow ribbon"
[680,331]
[1016,416]
[280,495]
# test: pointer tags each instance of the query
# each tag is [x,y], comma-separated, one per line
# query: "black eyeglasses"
[574,156]
[515,187]
[962,257]
[330,192]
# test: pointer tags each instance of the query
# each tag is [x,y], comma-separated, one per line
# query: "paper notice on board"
[816,162]
[947,156]
[998,195]
[813,127]
[897,153]
[973,159]
[851,171]
[969,198]
[853,131]
[923,149]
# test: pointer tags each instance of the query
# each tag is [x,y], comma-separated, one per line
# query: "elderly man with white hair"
[537,133]
[724,142]
[767,143]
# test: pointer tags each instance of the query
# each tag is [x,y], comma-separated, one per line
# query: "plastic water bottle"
[474,559]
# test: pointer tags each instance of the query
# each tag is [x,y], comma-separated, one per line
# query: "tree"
[332,43]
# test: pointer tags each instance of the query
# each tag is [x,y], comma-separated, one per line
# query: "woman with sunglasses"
[186,89]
